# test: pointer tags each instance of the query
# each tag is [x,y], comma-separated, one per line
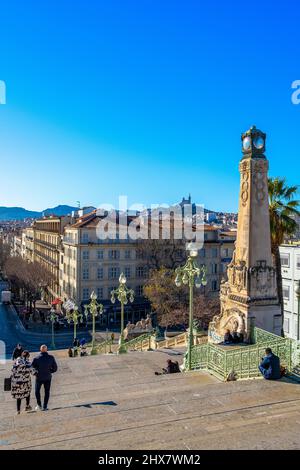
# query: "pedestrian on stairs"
[21,381]
[44,365]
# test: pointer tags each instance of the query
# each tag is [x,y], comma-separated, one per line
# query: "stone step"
[108,402]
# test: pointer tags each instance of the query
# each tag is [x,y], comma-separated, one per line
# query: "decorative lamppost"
[53,318]
[192,275]
[297,292]
[73,315]
[94,308]
[123,294]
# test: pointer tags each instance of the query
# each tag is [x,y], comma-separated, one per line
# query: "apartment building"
[87,263]
[28,244]
[290,269]
[215,255]
[47,238]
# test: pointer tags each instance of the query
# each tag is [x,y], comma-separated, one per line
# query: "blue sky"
[146,98]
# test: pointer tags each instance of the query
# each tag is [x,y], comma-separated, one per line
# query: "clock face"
[246,143]
[259,142]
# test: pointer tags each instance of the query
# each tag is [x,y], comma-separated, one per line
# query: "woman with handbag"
[21,381]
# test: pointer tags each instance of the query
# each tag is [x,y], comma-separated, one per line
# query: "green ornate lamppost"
[73,315]
[192,275]
[53,318]
[123,294]
[94,309]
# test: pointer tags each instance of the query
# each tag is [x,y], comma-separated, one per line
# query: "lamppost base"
[186,366]
[122,349]
[94,352]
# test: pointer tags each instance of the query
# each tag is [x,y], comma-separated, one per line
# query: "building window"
[85,274]
[298,262]
[286,292]
[214,252]
[100,254]
[114,254]
[99,273]
[100,292]
[140,271]
[127,272]
[113,272]
[214,268]
[85,293]
[85,237]
[202,252]
[85,254]
[214,285]
[127,254]
[139,291]
[139,254]
[286,325]
[285,260]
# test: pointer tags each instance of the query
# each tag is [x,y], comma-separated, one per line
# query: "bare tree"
[27,278]
[171,303]
[162,253]
[4,254]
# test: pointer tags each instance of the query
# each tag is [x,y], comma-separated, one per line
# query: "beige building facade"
[87,264]
[47,238]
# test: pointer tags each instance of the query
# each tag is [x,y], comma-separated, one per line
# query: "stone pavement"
[116,402]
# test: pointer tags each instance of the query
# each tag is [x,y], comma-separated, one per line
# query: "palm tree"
[283,211]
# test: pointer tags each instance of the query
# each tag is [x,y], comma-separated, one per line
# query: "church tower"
[250,296]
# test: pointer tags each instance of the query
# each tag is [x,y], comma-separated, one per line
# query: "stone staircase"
[116,402]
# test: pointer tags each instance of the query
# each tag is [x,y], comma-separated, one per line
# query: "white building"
[290,269]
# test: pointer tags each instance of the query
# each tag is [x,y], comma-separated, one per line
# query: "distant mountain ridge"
[19,213]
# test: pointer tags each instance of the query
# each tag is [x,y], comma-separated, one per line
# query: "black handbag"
[7,384]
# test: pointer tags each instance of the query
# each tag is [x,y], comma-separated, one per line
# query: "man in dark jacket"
[17,352]
[172,368]
[270,366]
[44,365]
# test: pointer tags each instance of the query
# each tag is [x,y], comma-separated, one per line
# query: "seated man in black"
[172,368]
[228,339]
[270,366]
[237,337]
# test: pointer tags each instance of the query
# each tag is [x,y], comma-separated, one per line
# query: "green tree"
[284,209]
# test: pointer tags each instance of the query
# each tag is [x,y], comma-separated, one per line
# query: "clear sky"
[146,98]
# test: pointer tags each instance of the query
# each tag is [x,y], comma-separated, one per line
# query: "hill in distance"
[19,213]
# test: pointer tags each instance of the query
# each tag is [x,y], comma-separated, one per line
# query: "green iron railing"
[137,343]
[242,361]
[104,347]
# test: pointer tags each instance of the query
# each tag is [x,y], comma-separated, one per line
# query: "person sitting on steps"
[172,368]
[270,366]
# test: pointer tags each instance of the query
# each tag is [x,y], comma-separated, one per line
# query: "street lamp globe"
[193,253]
[122,279]
[93,296]
[177,281]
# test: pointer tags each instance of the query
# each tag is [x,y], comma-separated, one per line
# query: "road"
[13,332]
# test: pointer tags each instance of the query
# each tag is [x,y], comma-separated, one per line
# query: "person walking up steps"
[21,381]
[44,365]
